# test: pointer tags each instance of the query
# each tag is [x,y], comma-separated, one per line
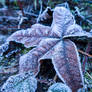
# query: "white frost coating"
[23,82]
[4,48]
[79,64]
[59,87]
[58,72]
[10,38]
[60,76]
[79,34]
[62,18]
[91,33]
[74,28]
[44,15]
[24,32]
[91,30]
[62,11]
[56,29]
[76,31]
[48,54]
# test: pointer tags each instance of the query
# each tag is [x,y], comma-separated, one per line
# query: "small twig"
[89,75]
[81,16]
[85,1]
[42,81]
[45,81]
[46,15]
[20,6]
[85,58]
[89,16]
[86,81]
[21,18]
[8,17]
[40,10]
[84,53]
[55,77]
[31,14]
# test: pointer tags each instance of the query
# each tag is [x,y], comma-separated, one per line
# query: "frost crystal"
[20,83]
[59,87]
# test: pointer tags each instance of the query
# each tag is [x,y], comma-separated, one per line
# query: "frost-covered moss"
[59,87]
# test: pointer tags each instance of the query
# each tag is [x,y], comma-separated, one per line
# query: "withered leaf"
[51,43]
[76,31]
[32,36]
[30,61]
[66,63]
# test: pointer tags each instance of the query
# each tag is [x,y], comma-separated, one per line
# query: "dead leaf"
[51,43]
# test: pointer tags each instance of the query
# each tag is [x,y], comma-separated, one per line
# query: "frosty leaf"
[67,65]
[76,31]
[62,19]
[20,83]
[64,56]
[65,24]
[32,36]
[30,61]
[50,43]
[59,87]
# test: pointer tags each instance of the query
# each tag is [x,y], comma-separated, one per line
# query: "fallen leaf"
[53,43]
